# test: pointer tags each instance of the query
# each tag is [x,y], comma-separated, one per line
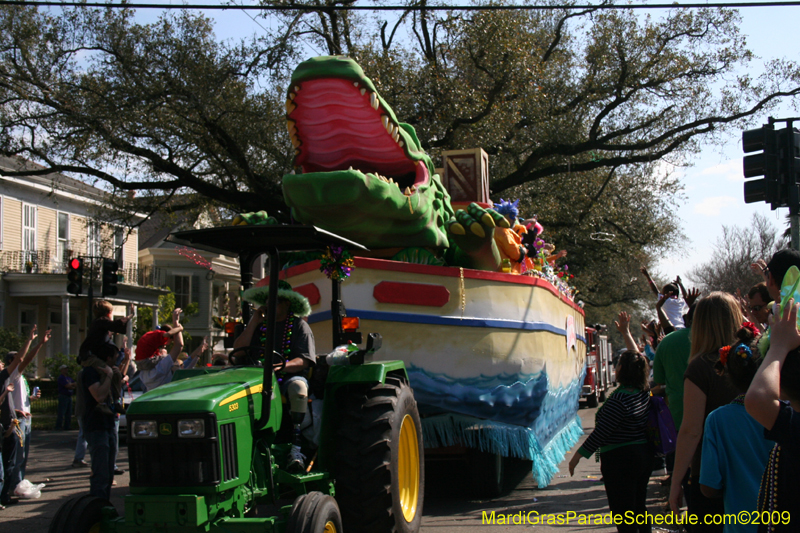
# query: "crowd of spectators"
[729,368]
[15,416]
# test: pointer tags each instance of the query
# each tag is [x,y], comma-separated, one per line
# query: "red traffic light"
[75,263]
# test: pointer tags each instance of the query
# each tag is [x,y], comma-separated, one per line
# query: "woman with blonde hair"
[717,319]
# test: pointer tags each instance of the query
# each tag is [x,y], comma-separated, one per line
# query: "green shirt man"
[672,358]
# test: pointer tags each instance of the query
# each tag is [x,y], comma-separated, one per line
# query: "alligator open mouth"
[339,124]
[358,170]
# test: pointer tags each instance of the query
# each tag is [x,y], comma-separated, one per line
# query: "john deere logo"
[165,429]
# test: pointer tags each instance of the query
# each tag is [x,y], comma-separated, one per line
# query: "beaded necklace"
[739,400]
[768,492]
[286,342]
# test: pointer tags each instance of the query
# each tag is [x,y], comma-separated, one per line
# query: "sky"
[714,185]
[713,182]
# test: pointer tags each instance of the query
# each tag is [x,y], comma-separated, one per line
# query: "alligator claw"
[477,229]
[488,220]
[457,229]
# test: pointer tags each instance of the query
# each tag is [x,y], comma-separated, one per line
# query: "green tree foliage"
[53,365]
[166,304]
[10,341]
[580,111]
[739,246]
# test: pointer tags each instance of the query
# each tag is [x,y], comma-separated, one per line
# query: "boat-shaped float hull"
[496,360]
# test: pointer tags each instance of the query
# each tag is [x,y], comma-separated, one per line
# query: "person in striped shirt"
[619,438]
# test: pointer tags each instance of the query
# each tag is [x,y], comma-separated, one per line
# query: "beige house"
[44,221]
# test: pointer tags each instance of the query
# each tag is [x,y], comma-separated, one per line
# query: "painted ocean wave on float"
[513,415]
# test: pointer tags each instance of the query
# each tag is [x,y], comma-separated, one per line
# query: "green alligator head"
[358,170]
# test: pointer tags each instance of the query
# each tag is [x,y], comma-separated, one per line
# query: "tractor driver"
[294,341]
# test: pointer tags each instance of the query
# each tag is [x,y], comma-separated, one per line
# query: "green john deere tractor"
[205,450]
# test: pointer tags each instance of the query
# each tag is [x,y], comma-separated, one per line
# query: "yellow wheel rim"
[330,527]
[408,468]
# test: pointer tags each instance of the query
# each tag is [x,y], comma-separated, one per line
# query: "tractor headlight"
[192,429]
[144,429]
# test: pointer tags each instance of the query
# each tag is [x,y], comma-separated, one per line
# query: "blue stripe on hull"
[414,318]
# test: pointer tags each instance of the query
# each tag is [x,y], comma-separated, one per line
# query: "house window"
[183,291]
[93,239]
[119,243]
[29,231]
[62,238]
[27,319]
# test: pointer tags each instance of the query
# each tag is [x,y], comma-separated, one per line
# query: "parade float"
[496,359]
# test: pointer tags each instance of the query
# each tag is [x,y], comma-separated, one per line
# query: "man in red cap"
[155,369]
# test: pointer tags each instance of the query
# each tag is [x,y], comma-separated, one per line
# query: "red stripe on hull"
[395,292]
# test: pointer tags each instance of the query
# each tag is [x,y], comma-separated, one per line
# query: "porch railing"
[49,262]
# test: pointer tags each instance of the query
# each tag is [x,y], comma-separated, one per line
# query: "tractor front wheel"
[81,514]
[379,472]
[314,513]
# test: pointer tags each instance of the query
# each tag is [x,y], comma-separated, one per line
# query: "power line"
[675,5]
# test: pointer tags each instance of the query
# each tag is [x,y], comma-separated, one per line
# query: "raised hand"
[783,331]
[623,322]
[32,333]
[176,315]
[759,268]
[691,295]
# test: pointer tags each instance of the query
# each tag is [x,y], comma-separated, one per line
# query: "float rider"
[294,341]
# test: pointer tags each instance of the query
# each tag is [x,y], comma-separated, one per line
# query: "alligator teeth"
[395,135]
[373,100]
[290,106]
[400,143]
[291,96]
[290,126]
[292,172]
[295,141]
[407,192]
[351,167]
[355,84]
[391,180]
[385,121]
[363,90]
[296,89]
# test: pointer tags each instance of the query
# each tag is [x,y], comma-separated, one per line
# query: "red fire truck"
[599,370]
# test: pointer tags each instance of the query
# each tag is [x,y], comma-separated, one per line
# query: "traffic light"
[75,276]
[790,168]
[110,278]
[766,163]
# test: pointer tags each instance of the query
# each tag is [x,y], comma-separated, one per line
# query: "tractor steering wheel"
[253,356]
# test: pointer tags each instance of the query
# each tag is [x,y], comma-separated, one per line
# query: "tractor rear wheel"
[379,472]
[81,514]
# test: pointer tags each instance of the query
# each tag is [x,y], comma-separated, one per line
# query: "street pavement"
[446,510]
